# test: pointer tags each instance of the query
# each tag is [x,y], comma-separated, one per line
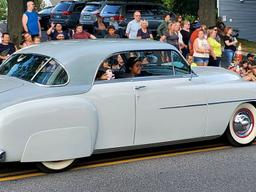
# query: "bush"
[3,9]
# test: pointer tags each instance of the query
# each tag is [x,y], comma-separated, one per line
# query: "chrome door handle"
[140,87]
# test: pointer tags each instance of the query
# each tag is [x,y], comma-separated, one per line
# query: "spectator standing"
[185,32]
[163,27]
[179,19]
[171,36]
[6,47]
[201,50]
[55,30]
[177,29]
[111,32]
[230,44]
[100,27]
[81,34]
[30,20]
[133,26]
[144,32]
[194,35]
[215,56]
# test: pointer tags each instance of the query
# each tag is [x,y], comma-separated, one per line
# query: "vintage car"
[56,108]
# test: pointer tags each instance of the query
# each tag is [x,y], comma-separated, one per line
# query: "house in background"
[239,14]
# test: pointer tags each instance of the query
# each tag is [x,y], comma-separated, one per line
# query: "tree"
[16,8]
[207,12]
[3,9]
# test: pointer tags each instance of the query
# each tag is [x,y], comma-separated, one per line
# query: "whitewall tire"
[55,166]
[242,130]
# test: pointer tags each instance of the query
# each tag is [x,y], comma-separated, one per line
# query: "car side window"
[180,65]
[51,73]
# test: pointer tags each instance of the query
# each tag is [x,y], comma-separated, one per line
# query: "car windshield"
[91,7]
[35,68]
[45,11]
[111,9]
[62,6]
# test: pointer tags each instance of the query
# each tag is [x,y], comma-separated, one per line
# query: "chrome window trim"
[50,58]
[145,78]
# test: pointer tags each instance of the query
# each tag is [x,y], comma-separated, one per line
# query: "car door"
[170,106]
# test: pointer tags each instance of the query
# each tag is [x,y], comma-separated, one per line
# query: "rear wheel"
[241,130]
[54,166]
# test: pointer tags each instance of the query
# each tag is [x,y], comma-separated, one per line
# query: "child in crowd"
[37,40]
[111,32]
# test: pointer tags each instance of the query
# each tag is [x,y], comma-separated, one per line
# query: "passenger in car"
[117,63]
[134,66]
[104,73]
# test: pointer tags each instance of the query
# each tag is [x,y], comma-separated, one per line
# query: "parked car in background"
[57,105]
[3,26]
[88,14]
[44,17]
[123,13]
[67,13]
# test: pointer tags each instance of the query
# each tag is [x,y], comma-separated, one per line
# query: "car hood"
[216,74]
[14,91]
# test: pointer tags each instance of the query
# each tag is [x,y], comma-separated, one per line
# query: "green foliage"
[168,3]
[190,18]
[3,9]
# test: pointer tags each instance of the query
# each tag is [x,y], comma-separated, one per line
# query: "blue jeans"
[229,55]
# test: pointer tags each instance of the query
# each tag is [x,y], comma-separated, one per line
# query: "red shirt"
[83,35]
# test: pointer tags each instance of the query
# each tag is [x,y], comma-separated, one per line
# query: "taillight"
[118,18]
[66,13]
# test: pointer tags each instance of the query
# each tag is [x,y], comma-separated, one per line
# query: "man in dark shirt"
[55,30]
[6,48]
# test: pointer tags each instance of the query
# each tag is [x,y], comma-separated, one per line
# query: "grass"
[248,46]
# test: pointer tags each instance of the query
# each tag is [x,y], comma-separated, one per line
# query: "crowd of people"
[200,45]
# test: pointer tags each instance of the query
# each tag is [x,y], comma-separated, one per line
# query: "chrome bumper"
[2,155]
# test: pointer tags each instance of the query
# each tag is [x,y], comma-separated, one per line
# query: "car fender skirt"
[58,144]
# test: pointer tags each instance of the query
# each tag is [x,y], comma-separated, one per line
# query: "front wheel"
[54,166]
[241,130]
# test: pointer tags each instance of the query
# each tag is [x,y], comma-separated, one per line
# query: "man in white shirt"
[133,26]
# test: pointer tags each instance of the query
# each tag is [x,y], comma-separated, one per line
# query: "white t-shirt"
[132,29]
[202,44]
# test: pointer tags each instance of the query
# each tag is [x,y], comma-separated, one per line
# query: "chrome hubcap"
[243,123]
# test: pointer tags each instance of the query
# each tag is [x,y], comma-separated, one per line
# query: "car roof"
[94,3]
[78,56]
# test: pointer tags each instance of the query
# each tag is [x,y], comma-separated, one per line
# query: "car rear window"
[45,11]
[111,9]
[91,7]
[62,6]
[35,68]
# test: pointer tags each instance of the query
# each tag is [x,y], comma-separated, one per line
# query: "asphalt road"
[224,169]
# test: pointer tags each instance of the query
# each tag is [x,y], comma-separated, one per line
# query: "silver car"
[55,106]
[89,13]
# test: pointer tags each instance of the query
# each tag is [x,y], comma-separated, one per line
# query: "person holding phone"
[55,30]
